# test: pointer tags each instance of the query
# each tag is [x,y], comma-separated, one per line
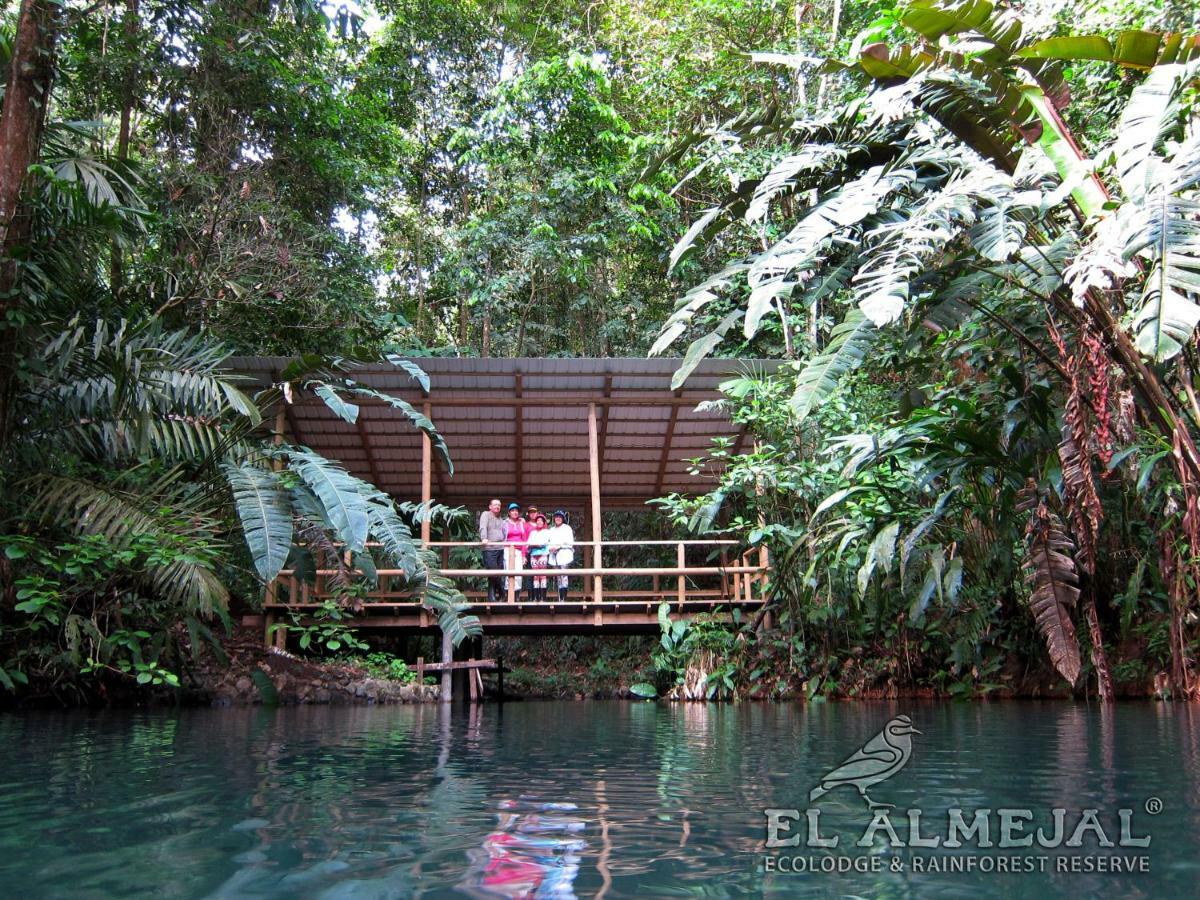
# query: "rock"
[322,696]
[243,685]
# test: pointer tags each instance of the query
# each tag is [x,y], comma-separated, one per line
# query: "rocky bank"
[258,675]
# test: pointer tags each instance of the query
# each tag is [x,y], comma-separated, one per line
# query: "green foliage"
[384,665]
[328,632]
[947,233]
[75,605]
[697,656]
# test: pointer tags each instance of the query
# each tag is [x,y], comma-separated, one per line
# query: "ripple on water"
[545,799]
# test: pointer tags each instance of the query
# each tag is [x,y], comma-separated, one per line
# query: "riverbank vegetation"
[971,230]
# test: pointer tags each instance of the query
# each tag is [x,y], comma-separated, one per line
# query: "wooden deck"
[705,576]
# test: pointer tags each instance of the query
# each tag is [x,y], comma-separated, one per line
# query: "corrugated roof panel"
[478,420]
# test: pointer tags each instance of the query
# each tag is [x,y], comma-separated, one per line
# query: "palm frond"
[88,508]
[848,345]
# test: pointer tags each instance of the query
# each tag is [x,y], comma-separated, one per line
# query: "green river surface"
[562,799]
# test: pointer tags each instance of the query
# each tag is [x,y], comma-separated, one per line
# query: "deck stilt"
[447,658]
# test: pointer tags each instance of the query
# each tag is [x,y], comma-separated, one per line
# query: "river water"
[562,799]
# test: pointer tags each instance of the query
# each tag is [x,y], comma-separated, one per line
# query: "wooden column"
[594,461]
[681,562]
[764,556]
[426,479]
[447,658]
[279,638]
[519,439]
[510,580]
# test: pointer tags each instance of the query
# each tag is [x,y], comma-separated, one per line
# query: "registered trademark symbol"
[1154,806]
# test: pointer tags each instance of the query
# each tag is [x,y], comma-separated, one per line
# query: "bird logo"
[877,760]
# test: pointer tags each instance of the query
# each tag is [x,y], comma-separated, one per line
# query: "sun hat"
[559,513]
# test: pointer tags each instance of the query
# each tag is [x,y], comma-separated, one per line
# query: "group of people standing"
[530,542]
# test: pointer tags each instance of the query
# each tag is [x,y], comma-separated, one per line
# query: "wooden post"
[420,670]
[510,555]
[272,593]
[764,560]
[426,478]
[764,557]
[594,461]
[499,677]
[447,657]
[680,561]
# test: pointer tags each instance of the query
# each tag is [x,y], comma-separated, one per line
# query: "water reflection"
[531,852]
[549,799]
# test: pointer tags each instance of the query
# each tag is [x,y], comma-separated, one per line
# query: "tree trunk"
[1099,656]
[124,130]
[22,121]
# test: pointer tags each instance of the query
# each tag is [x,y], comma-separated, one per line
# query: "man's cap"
[513,506]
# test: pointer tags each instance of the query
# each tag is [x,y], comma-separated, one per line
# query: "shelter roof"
[519,427]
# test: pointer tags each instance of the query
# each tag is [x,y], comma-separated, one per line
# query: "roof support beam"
[366,442]
[288,411]
[594,459]
[519,437]
[604,423]
[668,440]
[426,480]
[571,399]
[741,439]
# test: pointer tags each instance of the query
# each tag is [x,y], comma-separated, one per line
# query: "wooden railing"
[723,575]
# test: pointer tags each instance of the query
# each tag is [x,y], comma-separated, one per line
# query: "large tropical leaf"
[781,180]
[695,300]
[344,506]
[1170,236]
[341,407]
[1151,114]
[898,251]
[702,347]
[848,345]
[1135,48]
[265,513]
[842,209]
[415,372]
[395,537]
[1054,589]
[697,228]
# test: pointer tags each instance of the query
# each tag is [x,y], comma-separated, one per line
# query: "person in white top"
[561,541]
